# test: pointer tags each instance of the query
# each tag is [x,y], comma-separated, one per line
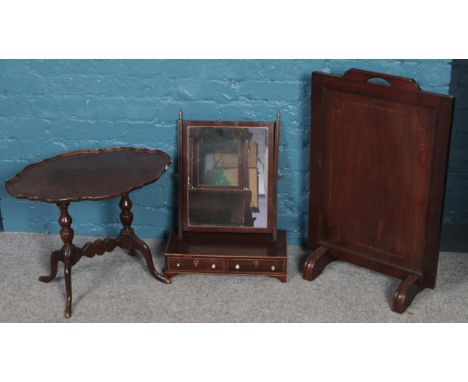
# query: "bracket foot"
[316,263]
[405,293]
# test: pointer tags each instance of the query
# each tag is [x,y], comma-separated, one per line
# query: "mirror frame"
[184,171]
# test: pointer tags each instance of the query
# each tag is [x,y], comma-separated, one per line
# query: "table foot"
[131,242]
[128,240]
[143,248]
[55,257]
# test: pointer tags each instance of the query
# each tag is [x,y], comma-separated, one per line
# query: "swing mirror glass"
[228,176]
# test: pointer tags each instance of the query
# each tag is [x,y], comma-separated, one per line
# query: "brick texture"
[456,201]
[51,106]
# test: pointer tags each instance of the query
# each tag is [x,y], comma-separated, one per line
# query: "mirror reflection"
[228,176]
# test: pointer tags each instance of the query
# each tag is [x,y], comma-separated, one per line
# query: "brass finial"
[277,115]
[181,115]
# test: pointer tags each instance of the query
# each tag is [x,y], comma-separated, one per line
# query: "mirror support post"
[275,175]
[180,179]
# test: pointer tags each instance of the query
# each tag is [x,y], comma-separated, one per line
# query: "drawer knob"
[213,266]
[255,264]
[195,262]
[237,266]
[178,265]
[273,268]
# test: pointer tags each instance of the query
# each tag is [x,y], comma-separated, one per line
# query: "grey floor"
[116,287]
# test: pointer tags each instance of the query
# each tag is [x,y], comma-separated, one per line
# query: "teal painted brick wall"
[51,106]
[456,206]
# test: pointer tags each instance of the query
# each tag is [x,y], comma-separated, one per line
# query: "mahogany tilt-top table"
[91,175]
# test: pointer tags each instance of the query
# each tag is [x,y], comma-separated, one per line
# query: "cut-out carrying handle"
[394,81]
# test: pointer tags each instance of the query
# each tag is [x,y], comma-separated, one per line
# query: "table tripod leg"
[143,248]
[128,240]
[66,233]
[68,285]
[55,257]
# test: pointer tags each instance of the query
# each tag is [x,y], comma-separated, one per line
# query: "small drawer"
[252,265]
[202,264]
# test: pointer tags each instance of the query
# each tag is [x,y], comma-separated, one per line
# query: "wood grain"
[378,160]
[89,174]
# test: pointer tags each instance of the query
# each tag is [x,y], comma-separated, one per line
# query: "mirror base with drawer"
[227,253]
[227,174]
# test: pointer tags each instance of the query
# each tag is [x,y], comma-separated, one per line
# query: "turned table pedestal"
[91,175]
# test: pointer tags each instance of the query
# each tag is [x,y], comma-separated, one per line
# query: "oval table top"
[89,174]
